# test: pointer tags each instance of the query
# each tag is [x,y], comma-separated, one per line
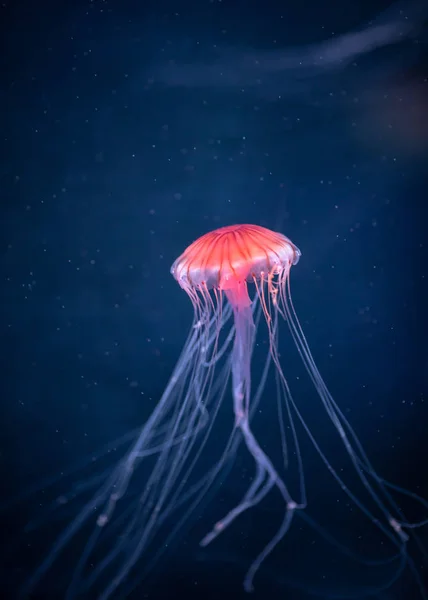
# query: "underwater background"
[129,129]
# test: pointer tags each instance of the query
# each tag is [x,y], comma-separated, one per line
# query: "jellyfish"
[238,281]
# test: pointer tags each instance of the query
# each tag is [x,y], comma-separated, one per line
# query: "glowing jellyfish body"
[216,271]
[224,260]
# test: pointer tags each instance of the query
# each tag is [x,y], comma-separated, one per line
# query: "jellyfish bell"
[225,258]
[235,252]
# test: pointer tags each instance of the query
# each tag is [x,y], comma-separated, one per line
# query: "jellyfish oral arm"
[266,476]
[242,351]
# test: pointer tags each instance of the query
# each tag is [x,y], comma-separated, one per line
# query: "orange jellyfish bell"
[230,255]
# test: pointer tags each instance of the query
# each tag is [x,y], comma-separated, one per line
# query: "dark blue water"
[130,129]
